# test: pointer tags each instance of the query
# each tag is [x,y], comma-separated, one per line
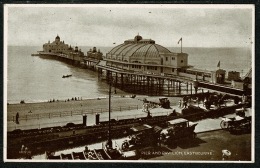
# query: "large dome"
[139,47]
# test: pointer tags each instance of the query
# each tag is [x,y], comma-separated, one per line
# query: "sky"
[110,25]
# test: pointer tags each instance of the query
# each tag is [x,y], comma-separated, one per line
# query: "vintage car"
[142,136]
[237,124]
[177,130]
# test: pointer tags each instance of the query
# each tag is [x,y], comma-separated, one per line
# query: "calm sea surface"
[35,79]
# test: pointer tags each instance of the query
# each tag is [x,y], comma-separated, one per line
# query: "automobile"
[178,129]
[142,136]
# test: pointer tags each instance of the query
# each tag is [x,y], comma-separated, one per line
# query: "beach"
[46,114]
[80,105]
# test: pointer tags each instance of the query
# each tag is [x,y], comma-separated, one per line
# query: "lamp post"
[109,141]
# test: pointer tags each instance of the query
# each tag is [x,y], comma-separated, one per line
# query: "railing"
[197,116]
[134,116]
[71,113]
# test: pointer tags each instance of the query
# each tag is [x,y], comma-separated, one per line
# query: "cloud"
[102,26]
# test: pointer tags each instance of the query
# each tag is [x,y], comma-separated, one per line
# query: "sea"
[35,79]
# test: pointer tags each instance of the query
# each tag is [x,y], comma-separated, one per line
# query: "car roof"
[141,128]
[177,121]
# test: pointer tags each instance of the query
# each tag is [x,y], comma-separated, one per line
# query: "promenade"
[60,113]
[207,146]
[124,107]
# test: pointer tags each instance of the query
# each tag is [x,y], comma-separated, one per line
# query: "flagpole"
[181,45]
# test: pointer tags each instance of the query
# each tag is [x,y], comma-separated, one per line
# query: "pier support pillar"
[116,82]
[179,87]
[122,80]
[191,88]
[168,87]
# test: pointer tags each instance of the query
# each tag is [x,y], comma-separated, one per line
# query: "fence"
[134,116]
[71,113]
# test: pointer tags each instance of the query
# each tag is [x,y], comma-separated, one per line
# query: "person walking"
[17,118]
[185,104]
[180,103]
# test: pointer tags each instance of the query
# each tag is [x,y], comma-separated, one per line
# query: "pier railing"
[71,113]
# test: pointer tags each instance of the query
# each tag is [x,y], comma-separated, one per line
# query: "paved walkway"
[78,119]
[212,142]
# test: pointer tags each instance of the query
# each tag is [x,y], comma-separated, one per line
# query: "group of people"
[74,98]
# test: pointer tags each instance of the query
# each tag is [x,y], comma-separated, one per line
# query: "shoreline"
[95,98]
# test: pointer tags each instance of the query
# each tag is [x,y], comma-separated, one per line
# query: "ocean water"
[34,79]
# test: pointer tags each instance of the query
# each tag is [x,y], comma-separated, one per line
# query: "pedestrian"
[17,118]
[180,103]
[185,104]
[205,100]
[22,148]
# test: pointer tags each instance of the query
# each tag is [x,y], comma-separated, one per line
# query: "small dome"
[138,38]
[57,37]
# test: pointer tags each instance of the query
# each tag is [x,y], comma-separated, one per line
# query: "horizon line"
[119,44]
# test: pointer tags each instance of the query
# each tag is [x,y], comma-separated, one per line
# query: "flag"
[218,64]
[179,40]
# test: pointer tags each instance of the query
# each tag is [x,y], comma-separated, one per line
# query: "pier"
[224,88]
[140,66]
[161,84]
[150,84]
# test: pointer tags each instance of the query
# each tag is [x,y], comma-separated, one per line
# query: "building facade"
[95,54]
[58,46]
[145,55]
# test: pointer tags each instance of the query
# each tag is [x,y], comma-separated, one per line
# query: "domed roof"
[57,37]
[142,48]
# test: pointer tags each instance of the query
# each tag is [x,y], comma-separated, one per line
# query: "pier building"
[93,57]
[62,50]
[144,55]
[142,65]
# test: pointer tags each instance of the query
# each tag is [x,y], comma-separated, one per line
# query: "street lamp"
[109,141]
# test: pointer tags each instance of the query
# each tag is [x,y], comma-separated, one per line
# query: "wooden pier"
[160,84]
[149,84]
[224,88]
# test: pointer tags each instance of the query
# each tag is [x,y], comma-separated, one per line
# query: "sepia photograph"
[129,83]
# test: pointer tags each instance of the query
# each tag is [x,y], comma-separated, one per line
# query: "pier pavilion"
[63,51]
[93,57]
[142,66]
